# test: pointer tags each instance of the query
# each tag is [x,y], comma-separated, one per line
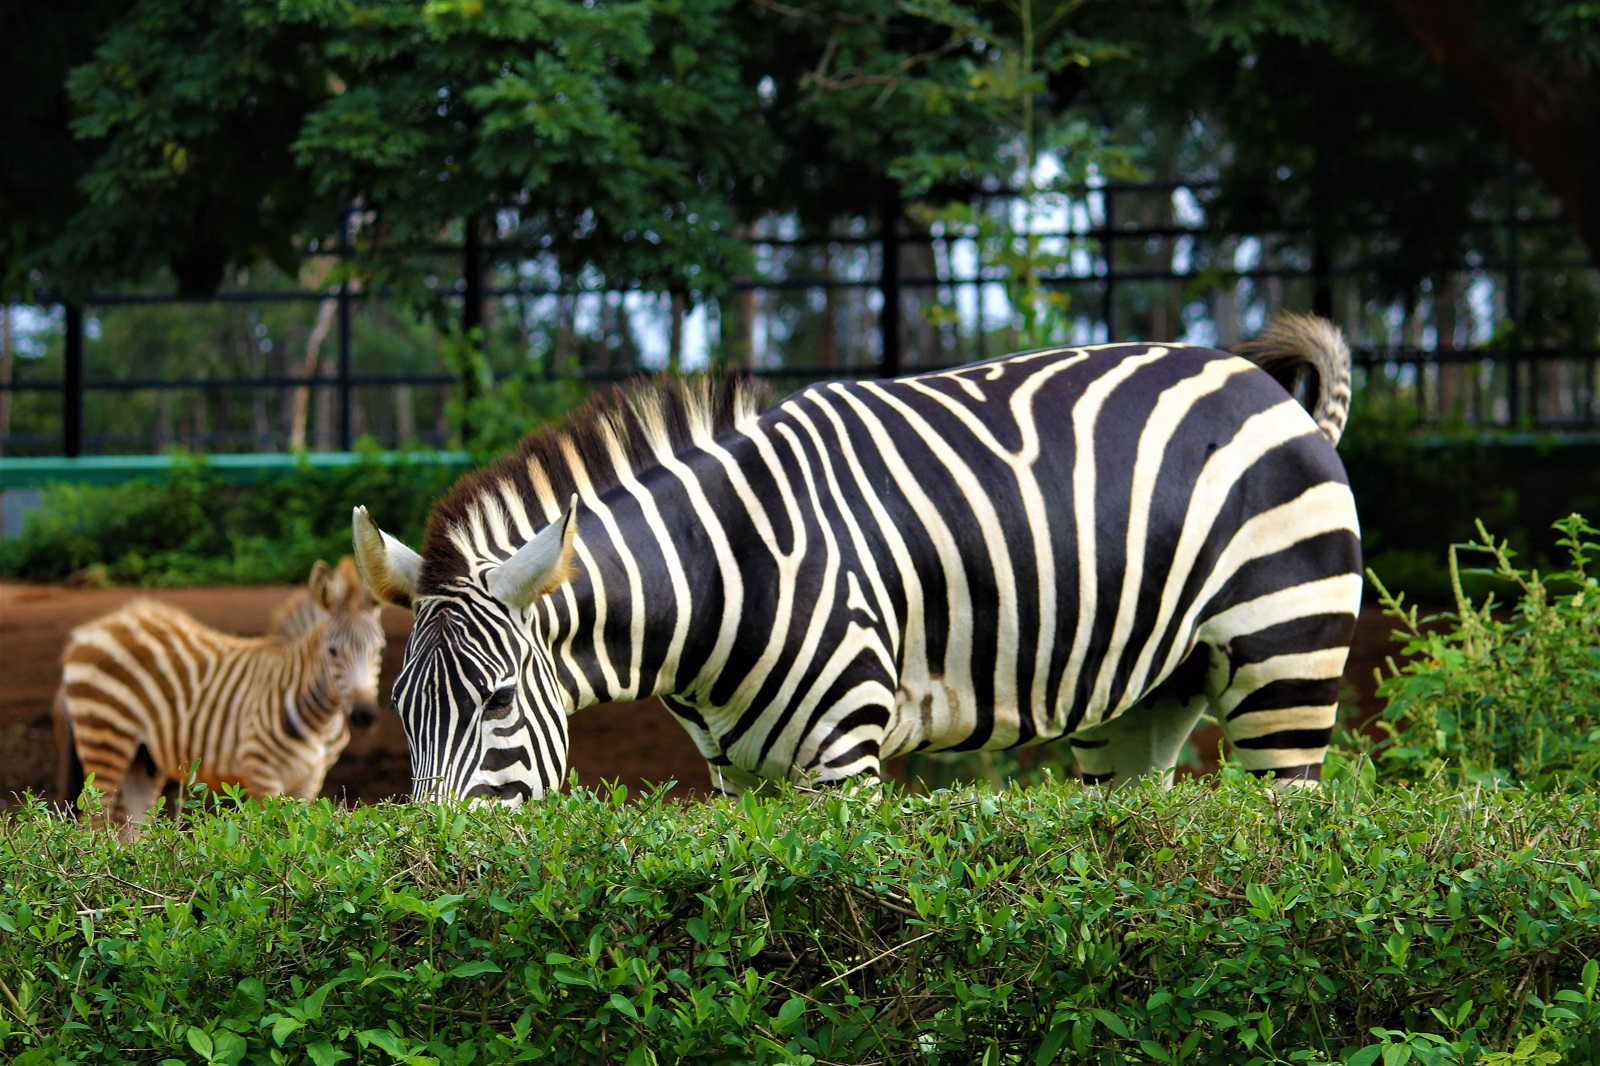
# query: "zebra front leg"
[845,743]
[1146,737]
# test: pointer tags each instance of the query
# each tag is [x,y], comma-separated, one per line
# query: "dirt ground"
[635,743]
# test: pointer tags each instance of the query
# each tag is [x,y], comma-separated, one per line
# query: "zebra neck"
[643,616]
[310,704]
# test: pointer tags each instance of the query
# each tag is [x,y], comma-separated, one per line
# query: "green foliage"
[191,527]
[494,412]
[1233,924]
[1415,489]
[1496,697]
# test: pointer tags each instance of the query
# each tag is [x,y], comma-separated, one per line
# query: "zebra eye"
[333,651]
[498,705]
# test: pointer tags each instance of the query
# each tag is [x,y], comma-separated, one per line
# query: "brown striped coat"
[147,692]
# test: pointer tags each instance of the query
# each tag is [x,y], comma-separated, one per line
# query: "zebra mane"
[638,423]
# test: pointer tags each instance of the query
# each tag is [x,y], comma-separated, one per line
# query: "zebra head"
[352,635]
[477,691]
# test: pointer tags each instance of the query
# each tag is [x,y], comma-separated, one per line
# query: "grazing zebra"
[1095,543]
[147,691]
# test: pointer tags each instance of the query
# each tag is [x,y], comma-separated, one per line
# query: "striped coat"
[147,691]
[1093,543]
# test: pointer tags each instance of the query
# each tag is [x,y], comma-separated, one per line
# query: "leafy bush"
[1416,487]
[1232,924]
[192,527]
[1501,697]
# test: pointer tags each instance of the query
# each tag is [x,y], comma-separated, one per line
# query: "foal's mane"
[640,420]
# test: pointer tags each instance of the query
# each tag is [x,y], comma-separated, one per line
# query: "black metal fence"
[1500,342]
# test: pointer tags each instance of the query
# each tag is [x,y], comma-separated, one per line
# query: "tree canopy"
[637,137]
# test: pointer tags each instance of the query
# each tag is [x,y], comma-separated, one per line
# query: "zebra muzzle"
[363,714]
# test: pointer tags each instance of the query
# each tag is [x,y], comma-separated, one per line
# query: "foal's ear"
[389,568]
[539,566]
[321,586]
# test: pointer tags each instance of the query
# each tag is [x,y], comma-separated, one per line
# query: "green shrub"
[1233,924]
[1496,696]
[192,527]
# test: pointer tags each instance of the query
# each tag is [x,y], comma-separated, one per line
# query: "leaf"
[791,1011]
[697,929]
[475,968]
[248,999]
[1396,1055]
[624,1005]
[1366,1056]
[283,1027]
[200,1042]
[325,1054]
[384,1039]
[1110,1021]
[230,1047]
[1051,1046]
[311,1008]
[1155,1051]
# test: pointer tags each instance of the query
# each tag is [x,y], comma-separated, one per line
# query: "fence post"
[346,399]
[1513,306]
[889,283]
[72,383]
[1108,251]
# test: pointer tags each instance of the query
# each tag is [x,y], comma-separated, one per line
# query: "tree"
[38,183]
[1536,67]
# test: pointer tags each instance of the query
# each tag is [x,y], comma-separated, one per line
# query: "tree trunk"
[675,335]
[326,311]
[405,419]
[1452,375]
[1550,108]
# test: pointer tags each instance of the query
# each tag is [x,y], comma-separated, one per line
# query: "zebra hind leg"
[141,787]
[1281,701]
[1149,735]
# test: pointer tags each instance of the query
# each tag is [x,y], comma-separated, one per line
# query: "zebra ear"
[321,584]
[539,566]
[389,568]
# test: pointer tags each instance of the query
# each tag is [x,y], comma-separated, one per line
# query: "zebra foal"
[147,691]
[1096,543]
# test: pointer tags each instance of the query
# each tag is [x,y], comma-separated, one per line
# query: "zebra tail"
[70,779]
[1293,343]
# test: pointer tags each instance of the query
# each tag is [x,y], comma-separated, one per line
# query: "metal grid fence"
[291,365]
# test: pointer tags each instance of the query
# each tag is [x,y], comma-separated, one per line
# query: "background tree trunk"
[1549,106]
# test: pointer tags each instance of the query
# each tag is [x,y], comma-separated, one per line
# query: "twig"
[95,912]
[883,901]
[17,1009]
[881,955]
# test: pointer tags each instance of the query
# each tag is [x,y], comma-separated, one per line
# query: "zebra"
[147,691]
[1098,543]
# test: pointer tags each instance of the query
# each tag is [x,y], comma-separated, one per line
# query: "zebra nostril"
[363,715]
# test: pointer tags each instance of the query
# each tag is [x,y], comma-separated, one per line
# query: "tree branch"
[1549,107]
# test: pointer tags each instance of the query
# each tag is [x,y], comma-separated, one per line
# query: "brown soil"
[635,743]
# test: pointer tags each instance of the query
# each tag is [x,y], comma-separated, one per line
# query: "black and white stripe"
[1095,543]
[147,691]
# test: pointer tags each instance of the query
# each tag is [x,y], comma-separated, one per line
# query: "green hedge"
[1222,924]
[191,525]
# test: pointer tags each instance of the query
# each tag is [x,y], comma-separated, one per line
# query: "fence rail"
[1141,262]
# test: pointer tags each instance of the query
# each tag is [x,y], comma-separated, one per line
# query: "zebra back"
[294,616]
